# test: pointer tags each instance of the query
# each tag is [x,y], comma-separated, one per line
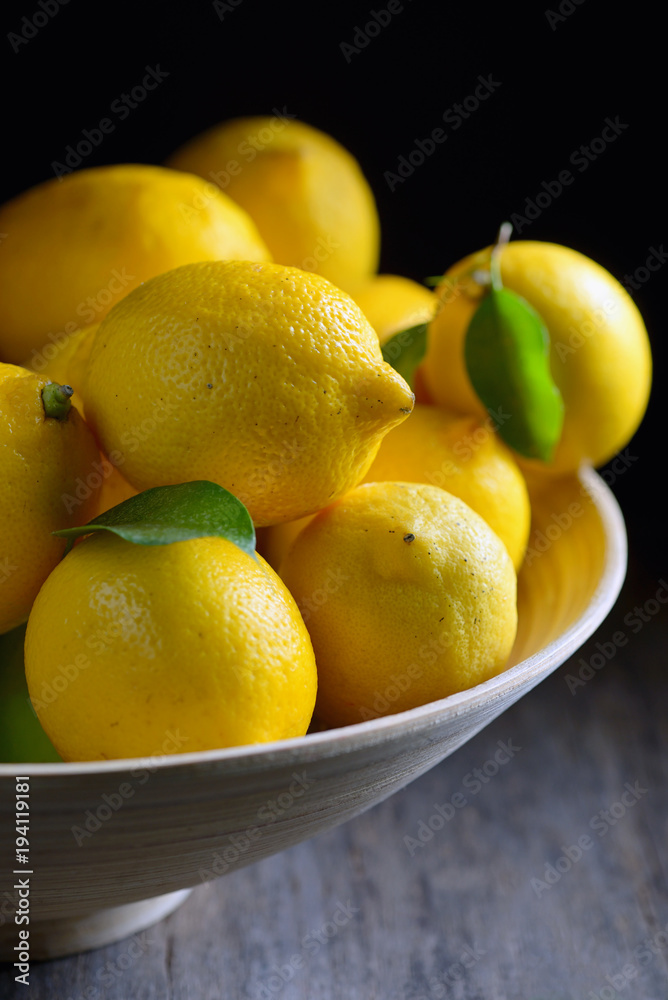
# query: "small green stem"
[57,400]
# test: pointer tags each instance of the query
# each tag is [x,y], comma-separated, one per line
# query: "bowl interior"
[109,834]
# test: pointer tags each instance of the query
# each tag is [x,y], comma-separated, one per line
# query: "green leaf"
[405,350]
[168,514]
[507,357]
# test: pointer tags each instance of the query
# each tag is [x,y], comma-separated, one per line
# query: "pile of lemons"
[221,320]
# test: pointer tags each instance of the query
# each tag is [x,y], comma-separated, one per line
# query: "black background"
[560,77]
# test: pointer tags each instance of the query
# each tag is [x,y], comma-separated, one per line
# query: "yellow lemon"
[305,192]
[408,596]
[465,457]
[77,245]
[115,488]
[462,455]
[392,303]
[262,378]
[599,356]
[129,645]
[68,365]
[42,461]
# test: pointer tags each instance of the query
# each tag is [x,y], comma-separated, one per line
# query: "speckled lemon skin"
[80,243]
[462,455]
[408,596]
[42,461]
[265,379]
[465,457]
[195,645]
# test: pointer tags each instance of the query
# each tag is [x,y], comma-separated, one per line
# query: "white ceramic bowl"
[114,846]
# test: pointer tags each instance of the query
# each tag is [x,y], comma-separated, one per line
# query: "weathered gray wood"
[469,887]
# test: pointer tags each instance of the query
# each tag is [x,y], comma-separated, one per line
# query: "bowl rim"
[374,731]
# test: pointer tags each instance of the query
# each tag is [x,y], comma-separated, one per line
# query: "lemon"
[408,595]
[129,644]
[465,457]
[262,378]
[68,366]
[599,355]
[115,488]
[392,303]
[43,460]
[305,192]
[77,245]
[462,455]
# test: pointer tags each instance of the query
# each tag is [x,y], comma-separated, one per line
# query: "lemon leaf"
[405,351]
[507,357]
[167,514]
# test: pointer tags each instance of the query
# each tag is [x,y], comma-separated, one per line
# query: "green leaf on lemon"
[405,351]
[167,514]
[507,357]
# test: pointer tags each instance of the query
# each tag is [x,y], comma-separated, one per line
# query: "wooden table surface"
[548,884]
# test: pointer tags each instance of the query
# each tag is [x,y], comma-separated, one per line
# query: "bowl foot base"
[67,936]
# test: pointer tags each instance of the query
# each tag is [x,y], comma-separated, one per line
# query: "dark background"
[561,75]
[557,88]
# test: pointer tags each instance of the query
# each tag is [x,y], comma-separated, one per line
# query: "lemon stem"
[505,230]
[57,400]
